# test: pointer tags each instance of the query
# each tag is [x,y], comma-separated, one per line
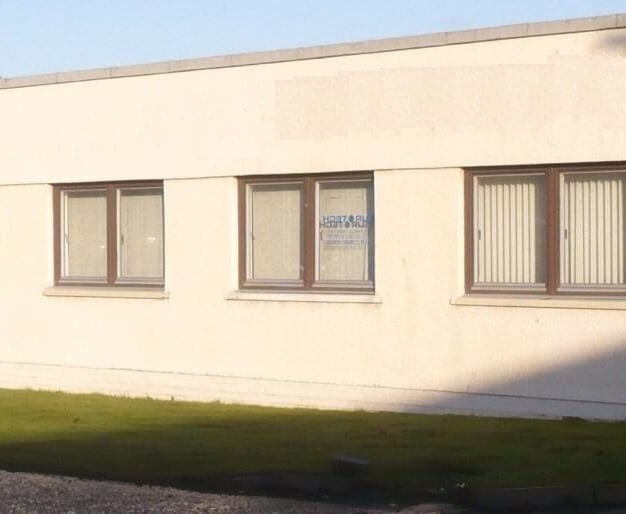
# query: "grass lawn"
[180,443]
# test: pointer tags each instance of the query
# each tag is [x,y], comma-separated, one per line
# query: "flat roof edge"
[545,28]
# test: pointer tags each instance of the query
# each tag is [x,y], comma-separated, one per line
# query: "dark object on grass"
[573,419]
[349,466]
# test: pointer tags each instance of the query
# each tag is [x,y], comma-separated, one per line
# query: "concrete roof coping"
[547,28]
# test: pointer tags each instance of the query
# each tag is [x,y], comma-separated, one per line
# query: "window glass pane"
[140,233]
[509,230]
[592,229]
[345,242]
[274,232]
[84,234]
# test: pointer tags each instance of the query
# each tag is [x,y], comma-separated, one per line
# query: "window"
[307,232]
[109,234]
[554,230]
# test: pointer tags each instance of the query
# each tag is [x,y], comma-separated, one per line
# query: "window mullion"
[552,230]
[111,234]
[308,233]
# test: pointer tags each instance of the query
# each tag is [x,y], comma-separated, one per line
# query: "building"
[424,224]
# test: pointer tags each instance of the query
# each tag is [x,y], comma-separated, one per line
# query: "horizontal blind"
[509,229]
[592,229]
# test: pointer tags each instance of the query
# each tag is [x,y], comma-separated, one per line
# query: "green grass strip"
[169,442]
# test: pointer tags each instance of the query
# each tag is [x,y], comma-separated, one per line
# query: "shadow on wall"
[593,388]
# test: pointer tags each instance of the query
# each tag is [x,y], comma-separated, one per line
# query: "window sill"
[549,302]
[107,292]
[313,297]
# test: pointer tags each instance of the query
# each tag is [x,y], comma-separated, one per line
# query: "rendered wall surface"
[415,117]
[543,99]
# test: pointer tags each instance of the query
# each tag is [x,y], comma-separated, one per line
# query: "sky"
[45,36]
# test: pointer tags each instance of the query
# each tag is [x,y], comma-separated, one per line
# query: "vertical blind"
[509,229]
[345,237]
[141,233]
[592,229]
[274,232]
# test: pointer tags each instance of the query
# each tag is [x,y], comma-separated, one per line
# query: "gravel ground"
[29,493]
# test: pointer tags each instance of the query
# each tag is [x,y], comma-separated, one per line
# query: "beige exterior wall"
[414,117]
[544,99]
